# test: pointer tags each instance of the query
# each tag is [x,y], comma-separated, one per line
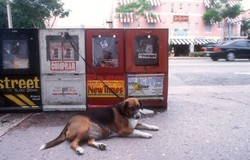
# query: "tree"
[139,8]
[3,14]
[32,13]
[220,10]
[245,27]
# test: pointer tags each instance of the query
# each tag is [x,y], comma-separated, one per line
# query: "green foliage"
[212,15]
[139,8]
[245,26]
[231,11]
[220,9]
[196,54]
[3,15]
[32,13]
[128,8]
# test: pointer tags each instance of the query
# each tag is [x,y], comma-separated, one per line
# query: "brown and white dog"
[119,120]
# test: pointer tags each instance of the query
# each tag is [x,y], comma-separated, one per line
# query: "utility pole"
[10,24]
[229,30]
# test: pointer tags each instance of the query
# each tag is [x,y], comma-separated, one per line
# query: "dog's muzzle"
[137,115]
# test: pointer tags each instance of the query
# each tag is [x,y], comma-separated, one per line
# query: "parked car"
[236,49]
[207,45]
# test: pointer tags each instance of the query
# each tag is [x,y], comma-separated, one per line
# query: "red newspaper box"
[105,58]
[147,65]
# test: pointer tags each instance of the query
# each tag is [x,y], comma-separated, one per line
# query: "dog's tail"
[56,141]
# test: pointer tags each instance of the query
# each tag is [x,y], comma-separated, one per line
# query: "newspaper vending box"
[19,70]
[105,57]
[147,65]
[62,69]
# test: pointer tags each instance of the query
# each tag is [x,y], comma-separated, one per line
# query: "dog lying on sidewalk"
[119,120]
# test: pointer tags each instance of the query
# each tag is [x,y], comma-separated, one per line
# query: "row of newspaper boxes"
[61,69]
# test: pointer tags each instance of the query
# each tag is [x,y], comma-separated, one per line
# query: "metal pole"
[229,30]
[10,25]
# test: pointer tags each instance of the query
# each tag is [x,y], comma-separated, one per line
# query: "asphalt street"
[207,118]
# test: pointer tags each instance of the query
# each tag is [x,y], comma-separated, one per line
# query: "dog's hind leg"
[75,143]
[93,143]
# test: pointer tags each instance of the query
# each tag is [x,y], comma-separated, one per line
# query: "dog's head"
[130,108]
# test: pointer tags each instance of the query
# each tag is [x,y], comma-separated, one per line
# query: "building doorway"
[181,50]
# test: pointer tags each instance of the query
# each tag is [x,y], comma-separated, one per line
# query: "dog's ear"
[141,106]
[124,105]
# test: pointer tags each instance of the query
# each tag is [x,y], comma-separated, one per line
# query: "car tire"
[214,58]
[230,56]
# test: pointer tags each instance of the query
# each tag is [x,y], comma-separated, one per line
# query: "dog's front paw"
[147,135]
[102,146]
[154,128]
[79,150]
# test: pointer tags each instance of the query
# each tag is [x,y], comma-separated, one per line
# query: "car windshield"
[237,43]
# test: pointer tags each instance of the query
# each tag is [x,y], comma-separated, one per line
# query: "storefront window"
[146,50]
[105,52]
[15,54]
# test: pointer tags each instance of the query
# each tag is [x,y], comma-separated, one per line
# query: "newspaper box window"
[60,49]
[15,54]
[146,50]
[61,54]
[105,52]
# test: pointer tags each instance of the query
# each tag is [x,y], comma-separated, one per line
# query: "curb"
[9,121]
[187,58]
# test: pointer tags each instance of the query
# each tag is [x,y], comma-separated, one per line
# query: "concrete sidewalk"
[202,122]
